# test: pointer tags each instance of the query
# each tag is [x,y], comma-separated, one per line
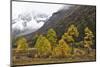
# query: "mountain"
[27,23]
[81,16]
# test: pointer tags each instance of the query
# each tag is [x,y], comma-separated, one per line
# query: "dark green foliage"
[35,39]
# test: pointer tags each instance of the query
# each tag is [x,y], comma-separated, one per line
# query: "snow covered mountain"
[27,22]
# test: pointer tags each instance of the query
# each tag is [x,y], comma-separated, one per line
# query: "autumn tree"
[43,46]
[73,31]
[88,39]
[52,37]
[70,35]
[68,38]
[22,43]
[62,49]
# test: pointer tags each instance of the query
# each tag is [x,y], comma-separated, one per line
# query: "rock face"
[81,16]
[24,23]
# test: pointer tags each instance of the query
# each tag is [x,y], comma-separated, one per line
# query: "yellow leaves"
[67,37]
[50,46]
[22,43]
[43,45]
[52,36]
[87,43]
[71,34]
[72,31]
[88,33]
[88,39]
[64,46]
[62,49]
[56,52]
[87,30]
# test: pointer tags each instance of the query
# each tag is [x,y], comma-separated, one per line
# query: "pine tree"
[70,36]
[52,37]
[73,31]
[88,39]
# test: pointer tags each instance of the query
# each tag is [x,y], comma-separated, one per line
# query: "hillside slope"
[81,16]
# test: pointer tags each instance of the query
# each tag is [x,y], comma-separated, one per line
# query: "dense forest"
[68,33]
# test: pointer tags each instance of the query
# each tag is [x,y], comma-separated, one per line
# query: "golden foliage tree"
[70,35]
[22,43]
[62,49]
[73,31]
[43,46]
[88,39]
[68,38]
[52,37]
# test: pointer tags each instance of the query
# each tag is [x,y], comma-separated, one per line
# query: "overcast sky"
[27,7]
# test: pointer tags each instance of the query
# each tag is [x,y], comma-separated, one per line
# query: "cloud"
[27,7]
